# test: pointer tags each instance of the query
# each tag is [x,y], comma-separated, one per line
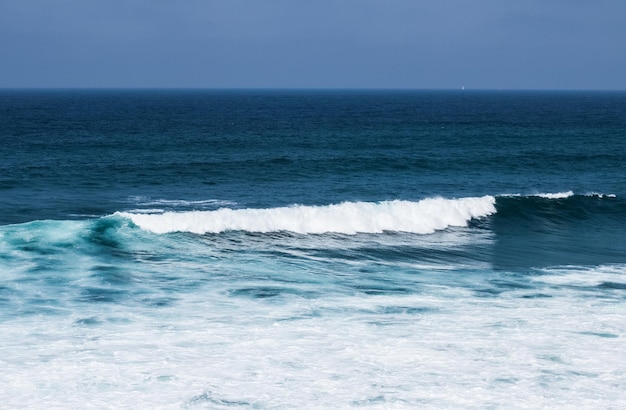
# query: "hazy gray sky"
[511,44]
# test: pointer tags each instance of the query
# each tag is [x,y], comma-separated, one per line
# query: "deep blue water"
[202,248]
[75,152]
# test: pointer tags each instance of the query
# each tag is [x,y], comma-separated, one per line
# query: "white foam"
[423,217]
[559,195]
[210,350]
[147,211]
[583,276]
[546,195]
[181,202]
[556,195]
[600,195]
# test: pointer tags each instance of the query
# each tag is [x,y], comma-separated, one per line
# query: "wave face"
[511,233]
[538,230]
[556,229]
[423,217]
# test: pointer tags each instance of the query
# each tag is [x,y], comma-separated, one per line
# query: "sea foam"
[422,217]
[555,195]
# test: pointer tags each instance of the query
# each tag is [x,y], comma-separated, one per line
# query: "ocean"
[283,249]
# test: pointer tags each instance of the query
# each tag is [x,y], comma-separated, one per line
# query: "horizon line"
[460,89]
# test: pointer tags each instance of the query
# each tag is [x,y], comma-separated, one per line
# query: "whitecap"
[555,195]
[422,217]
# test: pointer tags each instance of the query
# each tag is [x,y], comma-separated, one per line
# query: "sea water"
[312,249]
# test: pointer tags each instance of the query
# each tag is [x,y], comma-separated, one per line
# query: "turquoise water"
[312,249]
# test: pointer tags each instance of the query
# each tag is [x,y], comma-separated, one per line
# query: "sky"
[398,44]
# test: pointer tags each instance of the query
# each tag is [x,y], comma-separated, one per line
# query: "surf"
[422,217]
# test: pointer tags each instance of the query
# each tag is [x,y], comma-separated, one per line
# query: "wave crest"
[422,217]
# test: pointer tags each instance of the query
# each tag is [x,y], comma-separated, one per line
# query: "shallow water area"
[286,320]
[266,344]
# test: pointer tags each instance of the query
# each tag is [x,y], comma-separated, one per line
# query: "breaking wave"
[422,217]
